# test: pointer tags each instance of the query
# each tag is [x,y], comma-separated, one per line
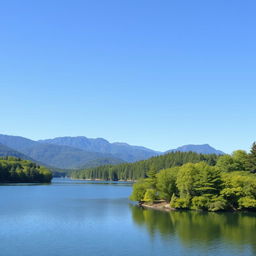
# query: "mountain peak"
[201,149]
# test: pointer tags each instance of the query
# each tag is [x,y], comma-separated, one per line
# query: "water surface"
[87,218]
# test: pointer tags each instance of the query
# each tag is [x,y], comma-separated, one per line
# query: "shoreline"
[160,206]
[165,207]
[133,181]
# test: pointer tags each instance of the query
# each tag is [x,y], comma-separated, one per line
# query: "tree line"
[138,170]
[230,184]
[17,170]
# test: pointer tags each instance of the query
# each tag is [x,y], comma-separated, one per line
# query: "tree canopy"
[138,170]
[17,170]
[230,184]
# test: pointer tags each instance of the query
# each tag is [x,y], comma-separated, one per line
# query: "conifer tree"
[252,158]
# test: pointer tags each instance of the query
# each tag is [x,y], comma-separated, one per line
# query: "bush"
[200,203]
[150,195]
[217,204]
[180,203]
[139,191]
[247,203]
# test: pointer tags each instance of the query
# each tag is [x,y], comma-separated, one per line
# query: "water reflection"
[199,228]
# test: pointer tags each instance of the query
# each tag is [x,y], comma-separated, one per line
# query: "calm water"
[78,218]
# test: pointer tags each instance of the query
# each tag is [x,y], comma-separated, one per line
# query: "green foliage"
[166,183]
[151,178]
[186,179]
[247,203]
[200,203]
[198,179]
[180,203]
[208,180]
[252,158]
[232,195]
[200,186]
[139,191]
[241,160]
[150,195]
[16,170]
[237,185]
[217,204]
[138,170]
[238,161]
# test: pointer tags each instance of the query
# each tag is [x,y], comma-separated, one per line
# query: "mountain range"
[6,151]
[81,152]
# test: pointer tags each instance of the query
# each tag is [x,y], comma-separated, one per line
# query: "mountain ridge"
[80,152]
[120,150]
[201,149]
[56,156]
[7,151]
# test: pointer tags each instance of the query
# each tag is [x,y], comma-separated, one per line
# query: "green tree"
[200,203]
[247,203]
[151,178]
[180,203]
[139,191]
[208,180]
[150,195]
[186,179]
[17,170]
[166,183]
[252,158]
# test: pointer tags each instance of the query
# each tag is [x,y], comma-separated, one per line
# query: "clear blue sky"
[154,73]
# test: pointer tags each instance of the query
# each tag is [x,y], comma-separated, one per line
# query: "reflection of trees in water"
[199,227]
[155,221]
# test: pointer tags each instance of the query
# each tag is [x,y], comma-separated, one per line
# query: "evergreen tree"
[252,158]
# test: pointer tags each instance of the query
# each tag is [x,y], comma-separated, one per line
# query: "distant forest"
[137,170]
[16,170]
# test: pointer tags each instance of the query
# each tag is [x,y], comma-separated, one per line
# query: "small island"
[16,170]
[230,184]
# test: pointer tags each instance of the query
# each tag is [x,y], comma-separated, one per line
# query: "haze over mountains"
[81,152]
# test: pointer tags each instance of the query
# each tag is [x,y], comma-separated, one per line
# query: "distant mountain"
[6,151]
[203,149]
[66,157]
[122,151]
[56,155]
[16,142]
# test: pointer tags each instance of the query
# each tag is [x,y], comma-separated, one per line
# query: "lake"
[96,218]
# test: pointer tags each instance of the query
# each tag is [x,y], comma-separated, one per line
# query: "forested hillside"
[134,171]
[6,151]
[16,170]
[228,185]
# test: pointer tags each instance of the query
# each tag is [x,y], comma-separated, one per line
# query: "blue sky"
[155,73]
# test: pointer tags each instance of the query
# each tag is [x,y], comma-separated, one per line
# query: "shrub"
[200,203]
[150,195]
[217,204]
[247,203]
[180,203]
[139,191]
